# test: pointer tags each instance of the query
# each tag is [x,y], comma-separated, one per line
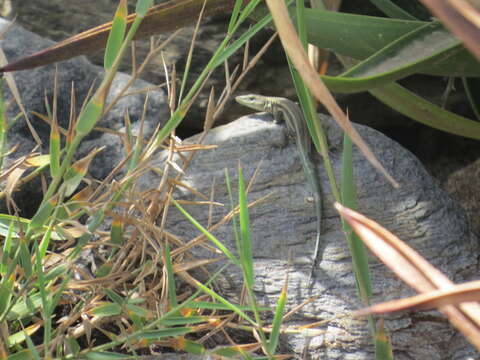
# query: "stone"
[283,223]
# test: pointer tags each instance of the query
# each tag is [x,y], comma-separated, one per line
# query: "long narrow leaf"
[117,34]
[421,110]
[245,250]
[209,236]
[420,49]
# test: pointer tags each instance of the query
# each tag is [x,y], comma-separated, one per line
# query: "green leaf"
[143,6]
[182,320]
[193,347]
[7,248]
[360,36]
[43,213]
[54,153]
[75,174]
[277,320]
[162,333]
[117,34]
[357,249]
[24,354]
[73,345]
[172,291]
[104,270]
[90,115]
[383,348]
[6,293]
[357,36]
[107,309]
[25,308]
[245,250]
[114,297]
[209,236]
[103,355]
[412,53]
[423,111]
[139,311]
[219,306]
[116,232]
[57,272]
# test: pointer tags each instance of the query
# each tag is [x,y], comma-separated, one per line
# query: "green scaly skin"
[287,110]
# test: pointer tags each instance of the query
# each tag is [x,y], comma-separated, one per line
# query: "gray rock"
[419,212]
[463,184]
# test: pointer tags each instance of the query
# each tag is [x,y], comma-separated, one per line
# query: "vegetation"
[47,312]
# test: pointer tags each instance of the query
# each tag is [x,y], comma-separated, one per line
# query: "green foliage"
[389,49]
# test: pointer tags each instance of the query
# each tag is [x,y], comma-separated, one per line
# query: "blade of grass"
[117,34]
[212,238]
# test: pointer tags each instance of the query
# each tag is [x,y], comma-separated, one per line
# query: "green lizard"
[290,112]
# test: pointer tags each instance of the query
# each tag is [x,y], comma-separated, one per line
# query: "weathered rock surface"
[463,184]
[419,212]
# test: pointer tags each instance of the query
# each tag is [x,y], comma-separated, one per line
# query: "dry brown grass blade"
[292,45]
[167,16]
[462,17]
[413,269]
[458,294]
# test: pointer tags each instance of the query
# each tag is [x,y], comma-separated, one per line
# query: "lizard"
[290,112]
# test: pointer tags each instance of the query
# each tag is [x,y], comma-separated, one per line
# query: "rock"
[419,212]
[34,85]
[463,184]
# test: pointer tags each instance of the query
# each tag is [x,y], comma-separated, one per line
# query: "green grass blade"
[24,258]
[75,174]
[158,334]
[117,35]
[218,306]
[90,115]
[3,125]
[234,16]
[23,308]
[116,232]
[245,250]
[209,236]
[6,293]
[232,206]
[172,292]
[277,320]
[54,149]
[357,249]
[43,213]
[103,355]
[225,302]
[7,248]
[142,7]
[107,309]
[114,297]
[383,347]
[24,354]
